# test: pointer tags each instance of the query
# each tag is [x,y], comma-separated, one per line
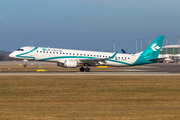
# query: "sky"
[87,24]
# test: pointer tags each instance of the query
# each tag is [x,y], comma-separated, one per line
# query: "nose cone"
[11,55]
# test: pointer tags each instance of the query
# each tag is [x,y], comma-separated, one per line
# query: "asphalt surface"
[93,73]
[151,69]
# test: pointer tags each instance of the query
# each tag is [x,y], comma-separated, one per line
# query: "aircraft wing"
[93,61]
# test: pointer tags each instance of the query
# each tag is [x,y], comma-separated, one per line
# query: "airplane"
[74,58]
[123,51]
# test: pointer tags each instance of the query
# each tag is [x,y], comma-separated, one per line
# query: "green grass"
[90,97]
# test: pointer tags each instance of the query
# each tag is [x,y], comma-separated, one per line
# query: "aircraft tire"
[24,65]
[81,69]
[87,69]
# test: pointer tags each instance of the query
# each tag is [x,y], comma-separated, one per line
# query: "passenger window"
[43,51]
[69,53]
[37,51]
[54,52]
[73,53]
[66,53]
[77,54]
[97,55]
[81,54]
[63,53]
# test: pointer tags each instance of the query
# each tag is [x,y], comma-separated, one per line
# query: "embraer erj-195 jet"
[74,58]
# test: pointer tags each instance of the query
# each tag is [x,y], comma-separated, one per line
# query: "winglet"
[113,55]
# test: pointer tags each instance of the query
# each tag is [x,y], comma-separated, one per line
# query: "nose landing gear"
[25,63]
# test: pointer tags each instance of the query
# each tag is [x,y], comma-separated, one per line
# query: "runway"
[91,73]
[165,69]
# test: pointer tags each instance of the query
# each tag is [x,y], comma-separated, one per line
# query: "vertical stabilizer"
[123,51]
[151,52]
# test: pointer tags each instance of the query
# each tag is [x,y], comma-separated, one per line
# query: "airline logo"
[155,47]
[52,50]
[44,49]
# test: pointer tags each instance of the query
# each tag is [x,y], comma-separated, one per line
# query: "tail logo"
[155,47]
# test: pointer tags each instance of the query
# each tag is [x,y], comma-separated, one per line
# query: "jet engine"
[69,63]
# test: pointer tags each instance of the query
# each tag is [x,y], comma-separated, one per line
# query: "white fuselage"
[61,55]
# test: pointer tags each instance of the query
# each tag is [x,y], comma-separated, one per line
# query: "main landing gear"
[82,69]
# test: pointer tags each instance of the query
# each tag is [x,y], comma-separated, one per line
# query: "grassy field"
[90,97]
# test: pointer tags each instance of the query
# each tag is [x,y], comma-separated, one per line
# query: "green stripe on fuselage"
[33,58]
[61,57]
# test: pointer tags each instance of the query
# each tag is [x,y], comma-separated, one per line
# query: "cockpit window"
[20,49]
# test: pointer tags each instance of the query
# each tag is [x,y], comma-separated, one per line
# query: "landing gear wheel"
[87,69]
[24,65]
[81,69]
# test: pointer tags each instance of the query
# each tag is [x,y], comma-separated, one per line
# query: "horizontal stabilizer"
[156,59]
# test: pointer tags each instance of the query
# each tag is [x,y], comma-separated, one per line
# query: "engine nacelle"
[69,63]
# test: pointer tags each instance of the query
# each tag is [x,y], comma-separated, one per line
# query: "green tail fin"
[151,52]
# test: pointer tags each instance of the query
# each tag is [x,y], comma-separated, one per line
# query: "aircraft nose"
[11,55]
